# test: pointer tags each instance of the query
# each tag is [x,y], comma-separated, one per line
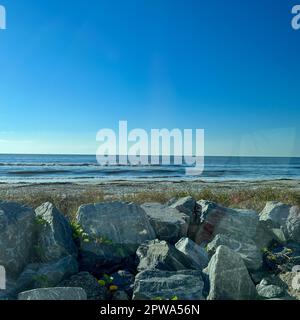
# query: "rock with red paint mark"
[214,219]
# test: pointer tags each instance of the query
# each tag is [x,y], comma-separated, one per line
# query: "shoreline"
[123,187]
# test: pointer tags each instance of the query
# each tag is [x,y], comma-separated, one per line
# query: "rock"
[249,252]
[193,251]
[282,221]
[228,276]
[272,287]
[41,275]
[119,222]
[55,238]
[17,227]
[164,285]
[115,231]
[161,255]
[53,294]
[168,223]
[87,282]
[213,219]
[275,214]
[269,291]
[293,224]
[185,205]
[120,296]
[273,222]
[292,281]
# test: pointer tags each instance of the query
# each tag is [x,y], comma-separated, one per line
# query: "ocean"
[84,168]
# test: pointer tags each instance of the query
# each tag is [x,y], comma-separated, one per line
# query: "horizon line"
[88,154]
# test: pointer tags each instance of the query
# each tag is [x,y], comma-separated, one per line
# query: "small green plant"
[39,220]
[78,232]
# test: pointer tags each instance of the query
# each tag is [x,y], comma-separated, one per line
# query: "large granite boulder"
[55,239]
[214,219]
[114,232]
[161,255]
[165,285]
[41,275]
[293,224]
[281,222]
[229,277]
[248,251]
[168,223]
[193,251]
[17,230]
[275,214]
[54,294]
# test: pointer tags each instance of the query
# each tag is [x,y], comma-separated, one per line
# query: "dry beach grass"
[68,197]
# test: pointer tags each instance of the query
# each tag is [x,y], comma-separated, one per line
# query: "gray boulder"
[115,230]
[275,214]
[161,255]
[186,205]
[193,251]
[54,294]
[270,291]
[55,238]
[120,222]
[41,275]
[168,223]
[281,221]
[293,224]
[17,229]
[214,219]
[249,252]
[229,277]
[164,285]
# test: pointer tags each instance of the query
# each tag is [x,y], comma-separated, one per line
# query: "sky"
[69,68]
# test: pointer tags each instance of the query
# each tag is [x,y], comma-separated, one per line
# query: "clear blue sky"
[69,68]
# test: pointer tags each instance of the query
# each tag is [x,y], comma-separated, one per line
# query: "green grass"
[237,198]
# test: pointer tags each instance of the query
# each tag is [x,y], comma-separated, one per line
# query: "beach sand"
[121,188]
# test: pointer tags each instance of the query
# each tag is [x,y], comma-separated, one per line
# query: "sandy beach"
[120,188]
